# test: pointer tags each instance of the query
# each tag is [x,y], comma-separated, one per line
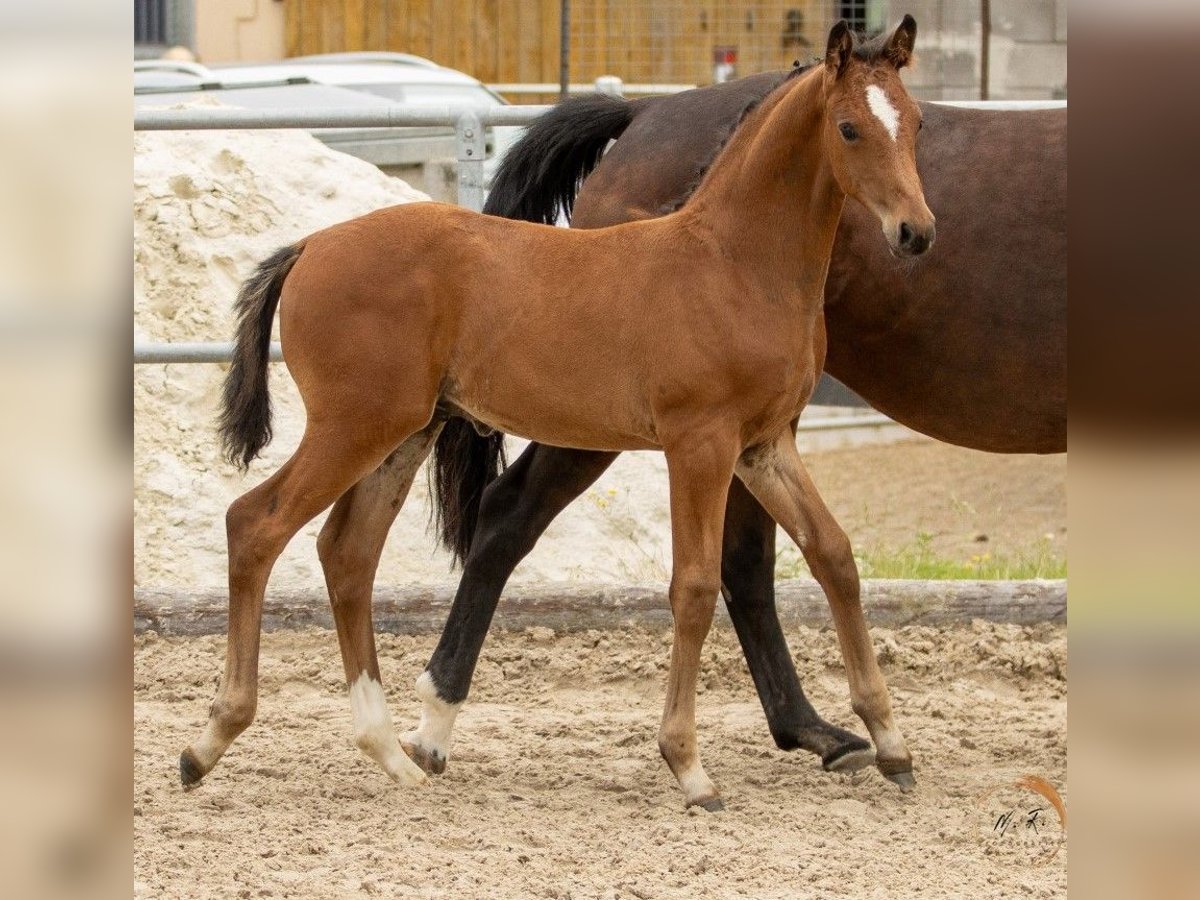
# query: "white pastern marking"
[368,706]
[373,732]
[437,717]
[695,784]
[883,109]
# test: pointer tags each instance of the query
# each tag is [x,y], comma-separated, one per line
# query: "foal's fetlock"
[226,720]
[698,789]
[391,757]
[374,734]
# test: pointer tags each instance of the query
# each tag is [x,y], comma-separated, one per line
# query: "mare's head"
[871,127]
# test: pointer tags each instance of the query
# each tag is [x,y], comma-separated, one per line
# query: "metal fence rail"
[469,124]
[605,84]
[192,352]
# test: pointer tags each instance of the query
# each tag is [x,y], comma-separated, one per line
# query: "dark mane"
[694,182]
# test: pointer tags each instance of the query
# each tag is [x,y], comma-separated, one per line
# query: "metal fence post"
[472,151]
[609,84]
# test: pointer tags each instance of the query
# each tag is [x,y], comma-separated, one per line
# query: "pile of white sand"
[208,206]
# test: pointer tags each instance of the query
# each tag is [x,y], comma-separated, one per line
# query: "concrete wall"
[1028,49]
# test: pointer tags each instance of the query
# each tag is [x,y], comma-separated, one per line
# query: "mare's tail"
[245,419]
[537,180]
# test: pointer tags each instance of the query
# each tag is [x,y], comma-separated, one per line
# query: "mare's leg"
[748,584]
[350,544]
[329,460]
[700,470]
[515,509]
[775,475]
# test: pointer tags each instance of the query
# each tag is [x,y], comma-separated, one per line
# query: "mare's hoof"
[904,780]
[712,804]
[430,761]
[189,770]
[849,760]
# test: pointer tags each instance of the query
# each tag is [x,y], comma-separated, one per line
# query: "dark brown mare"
[967,344]
[698,333]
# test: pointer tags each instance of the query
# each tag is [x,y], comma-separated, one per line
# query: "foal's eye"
[920,124]
[849,132]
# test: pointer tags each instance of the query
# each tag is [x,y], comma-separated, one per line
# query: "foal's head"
[871,127]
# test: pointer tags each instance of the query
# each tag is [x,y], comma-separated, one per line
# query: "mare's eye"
[920,124]
[849,132]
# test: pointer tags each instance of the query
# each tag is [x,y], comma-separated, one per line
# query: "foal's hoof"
[190,772]
[849,760]
[899,772]
[712,804]
[903,780]
[430,761]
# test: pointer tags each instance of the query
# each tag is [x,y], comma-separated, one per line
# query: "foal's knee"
[832,547]
[693,596]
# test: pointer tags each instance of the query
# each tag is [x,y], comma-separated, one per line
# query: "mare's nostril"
[906,234]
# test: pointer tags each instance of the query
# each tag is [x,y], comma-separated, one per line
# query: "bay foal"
[699,333]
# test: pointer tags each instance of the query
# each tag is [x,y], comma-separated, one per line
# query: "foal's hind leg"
[775,475]
[260,523]
[349,546]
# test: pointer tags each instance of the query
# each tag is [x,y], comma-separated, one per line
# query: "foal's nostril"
[906,234]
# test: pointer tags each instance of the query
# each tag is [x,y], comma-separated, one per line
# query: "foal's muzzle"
[913,241]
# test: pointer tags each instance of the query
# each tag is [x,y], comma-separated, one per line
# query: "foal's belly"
[548,417]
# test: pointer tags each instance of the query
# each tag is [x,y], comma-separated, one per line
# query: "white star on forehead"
[883,109]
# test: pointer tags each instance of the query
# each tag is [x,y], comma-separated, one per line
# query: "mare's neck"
[770,199]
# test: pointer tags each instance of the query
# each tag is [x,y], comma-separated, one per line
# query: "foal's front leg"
[748,584]
[775,475]
[700,469]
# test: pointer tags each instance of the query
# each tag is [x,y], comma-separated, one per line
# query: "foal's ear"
[900,45]
[841,45]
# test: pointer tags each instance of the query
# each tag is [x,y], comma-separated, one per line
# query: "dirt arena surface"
[555,787]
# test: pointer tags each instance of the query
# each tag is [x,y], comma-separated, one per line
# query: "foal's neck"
[770,199]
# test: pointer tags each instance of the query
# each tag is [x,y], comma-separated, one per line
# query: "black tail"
[245,419]
[464,463]
[537,179]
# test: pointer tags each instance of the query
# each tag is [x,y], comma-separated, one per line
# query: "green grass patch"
[919,561]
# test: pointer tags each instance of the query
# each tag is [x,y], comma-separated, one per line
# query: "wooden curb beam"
[582,606]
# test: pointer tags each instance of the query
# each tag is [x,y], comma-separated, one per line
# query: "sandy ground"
[555,787]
